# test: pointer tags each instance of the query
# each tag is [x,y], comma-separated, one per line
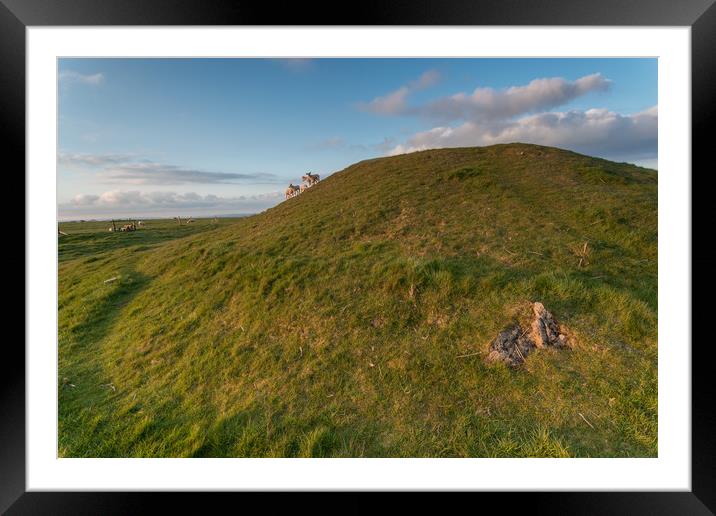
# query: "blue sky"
[199,137]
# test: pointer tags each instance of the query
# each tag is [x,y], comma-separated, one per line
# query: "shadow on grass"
[83,391]
[104,313]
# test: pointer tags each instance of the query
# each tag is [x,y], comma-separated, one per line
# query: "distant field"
[354,319]
[93,238]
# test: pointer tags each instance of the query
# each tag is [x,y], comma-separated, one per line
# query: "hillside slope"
[353,320]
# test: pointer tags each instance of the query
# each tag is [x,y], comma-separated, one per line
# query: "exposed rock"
[545,331]
[513,344]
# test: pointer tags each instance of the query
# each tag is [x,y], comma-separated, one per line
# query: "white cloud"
[595,132]
[92,160]
[162,198]
[70,76]
[426,80]
[85,199]
[161,203]
[491,104]
[395,102]
[391,104]
[519,114]
[487,103]
[127,169]
[160,174]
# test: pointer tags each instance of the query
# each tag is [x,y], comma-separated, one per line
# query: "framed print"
[422,249]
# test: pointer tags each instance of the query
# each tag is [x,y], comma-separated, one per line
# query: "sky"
[202,137]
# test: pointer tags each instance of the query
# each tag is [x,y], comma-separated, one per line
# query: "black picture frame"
[700,15]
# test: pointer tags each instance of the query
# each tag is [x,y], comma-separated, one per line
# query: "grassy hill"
[353,320]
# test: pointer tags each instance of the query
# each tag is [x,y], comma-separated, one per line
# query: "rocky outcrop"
[545,330]
[513,344]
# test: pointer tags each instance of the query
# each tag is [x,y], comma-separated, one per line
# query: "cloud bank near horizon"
[595,132]
[135,203]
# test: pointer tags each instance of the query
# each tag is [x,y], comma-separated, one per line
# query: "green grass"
[92,239]
[333,324]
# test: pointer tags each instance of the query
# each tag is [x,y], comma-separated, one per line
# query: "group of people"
[308,181]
